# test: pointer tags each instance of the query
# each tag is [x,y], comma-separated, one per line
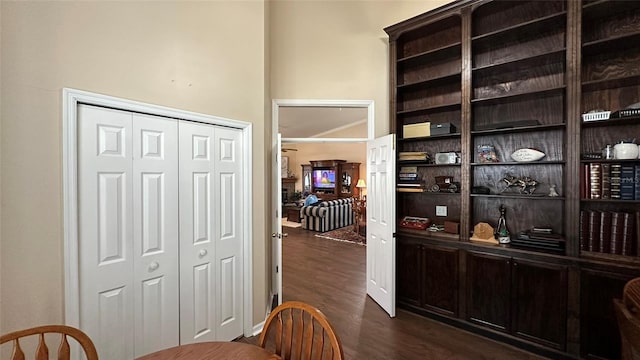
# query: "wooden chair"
[42,351]
[629,326]
[631,295]
[296,331]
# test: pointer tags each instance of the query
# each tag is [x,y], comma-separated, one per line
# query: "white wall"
[336,50]
[207,57]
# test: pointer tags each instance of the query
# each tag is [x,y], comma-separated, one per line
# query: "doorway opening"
[324,123]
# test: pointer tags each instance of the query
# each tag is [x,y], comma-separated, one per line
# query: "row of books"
[610,181]
[409,180]
[609,232]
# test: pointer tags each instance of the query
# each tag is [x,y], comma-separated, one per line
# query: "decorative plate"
[526,154]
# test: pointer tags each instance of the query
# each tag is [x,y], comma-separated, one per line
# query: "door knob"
[202,252]
[285,235]
[154,265]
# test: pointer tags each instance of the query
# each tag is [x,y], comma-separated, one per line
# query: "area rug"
[344,234]
[292,224]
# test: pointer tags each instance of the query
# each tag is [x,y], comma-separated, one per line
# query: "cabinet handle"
[154,265]
[202,252]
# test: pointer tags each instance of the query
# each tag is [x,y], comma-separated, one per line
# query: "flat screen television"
[324,179]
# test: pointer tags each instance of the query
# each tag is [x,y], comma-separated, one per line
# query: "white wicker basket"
[594,116]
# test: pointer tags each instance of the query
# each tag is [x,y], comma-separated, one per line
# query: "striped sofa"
[327,215]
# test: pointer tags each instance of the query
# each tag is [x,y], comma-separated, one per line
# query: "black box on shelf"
[442,129]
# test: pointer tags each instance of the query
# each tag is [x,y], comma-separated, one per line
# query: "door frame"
[276,246]
[70,100]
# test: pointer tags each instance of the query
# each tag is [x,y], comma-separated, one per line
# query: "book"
[605,232]
[585,185]
[614,180]
[408,189]
[595,171]
[627,181]
[605,181]
[627,234]
[617,223]
[584,230]
[594,231]
[636,181]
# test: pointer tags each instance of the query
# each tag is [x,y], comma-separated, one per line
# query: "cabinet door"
[440,284]
[488,290]
[540,302]
[408,272]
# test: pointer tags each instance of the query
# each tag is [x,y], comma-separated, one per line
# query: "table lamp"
[361,185]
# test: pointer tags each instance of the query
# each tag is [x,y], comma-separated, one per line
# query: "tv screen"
[324,179]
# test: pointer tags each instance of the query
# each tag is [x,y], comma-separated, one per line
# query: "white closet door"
[128,179]
[210,233]
[155,223]
[197,250]
[228,232]
[106,230]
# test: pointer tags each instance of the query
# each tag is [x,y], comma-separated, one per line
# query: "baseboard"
[273,302]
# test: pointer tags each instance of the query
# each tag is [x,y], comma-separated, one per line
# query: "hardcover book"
[614,181]
[595,172]
[627,183]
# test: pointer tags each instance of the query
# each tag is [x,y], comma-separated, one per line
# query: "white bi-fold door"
[142,287]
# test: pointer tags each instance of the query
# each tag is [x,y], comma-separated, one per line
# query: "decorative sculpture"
[524,185]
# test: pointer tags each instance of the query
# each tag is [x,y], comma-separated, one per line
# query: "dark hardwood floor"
[331,276]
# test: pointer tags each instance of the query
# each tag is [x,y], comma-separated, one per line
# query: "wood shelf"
[444,51]
[519,96]
[519,196]
[528,28]
[630,120]
[616,201]
[616,42]
[600,9]
[616,82]
[518,129]
[432,81]
[439,107]
[432,137]
[517,163]
[552,56]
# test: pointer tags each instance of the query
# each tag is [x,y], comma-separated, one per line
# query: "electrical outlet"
[441,210]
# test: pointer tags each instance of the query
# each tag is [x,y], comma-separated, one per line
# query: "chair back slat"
[17,353]
[308,338]
[279,334]
[304,332]
[298,336]
[41,351]
[64,351]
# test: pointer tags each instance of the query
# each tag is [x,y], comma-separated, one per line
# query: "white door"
[155,233]
[276,235]
[381,222]
[128,271]
[228,234]
[210,233]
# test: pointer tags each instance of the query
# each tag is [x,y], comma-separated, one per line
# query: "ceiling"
[308,121]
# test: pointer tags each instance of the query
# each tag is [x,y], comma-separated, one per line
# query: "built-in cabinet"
[503,76]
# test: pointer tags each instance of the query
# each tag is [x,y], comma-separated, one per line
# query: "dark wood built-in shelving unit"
[490,68]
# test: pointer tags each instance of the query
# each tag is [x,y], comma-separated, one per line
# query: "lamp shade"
[361,184]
